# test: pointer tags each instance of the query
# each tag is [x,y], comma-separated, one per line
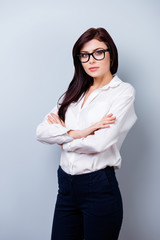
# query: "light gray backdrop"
[36,40]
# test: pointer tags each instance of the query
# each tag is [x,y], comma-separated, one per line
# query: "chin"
[94,74]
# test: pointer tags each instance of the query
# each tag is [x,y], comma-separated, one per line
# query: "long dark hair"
[81,80]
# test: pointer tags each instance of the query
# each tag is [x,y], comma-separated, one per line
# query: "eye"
[84,55]
[98,52]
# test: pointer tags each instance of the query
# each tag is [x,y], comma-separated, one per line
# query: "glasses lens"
[99,54]
[84,57]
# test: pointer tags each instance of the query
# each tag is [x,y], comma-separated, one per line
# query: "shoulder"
[125,88]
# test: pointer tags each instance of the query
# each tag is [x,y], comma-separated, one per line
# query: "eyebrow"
[93,50]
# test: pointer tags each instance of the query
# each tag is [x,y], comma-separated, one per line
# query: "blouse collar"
[113,83]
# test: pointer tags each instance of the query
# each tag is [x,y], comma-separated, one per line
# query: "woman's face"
[102,67]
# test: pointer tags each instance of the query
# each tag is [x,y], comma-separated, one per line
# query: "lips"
[93,68]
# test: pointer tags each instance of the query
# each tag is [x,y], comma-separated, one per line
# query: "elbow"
[43,137]
[38,138]
[104,146]
[94,149]
[99,149]
[39,134]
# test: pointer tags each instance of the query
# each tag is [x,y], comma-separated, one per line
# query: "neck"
[99,82]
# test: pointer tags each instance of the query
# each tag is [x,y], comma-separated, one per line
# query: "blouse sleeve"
[52,133]
[123,109]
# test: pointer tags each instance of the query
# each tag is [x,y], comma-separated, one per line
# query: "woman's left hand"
[53,118]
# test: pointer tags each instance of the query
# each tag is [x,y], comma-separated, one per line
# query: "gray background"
[36,40]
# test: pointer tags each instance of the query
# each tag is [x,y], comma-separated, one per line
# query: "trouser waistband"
[84,176]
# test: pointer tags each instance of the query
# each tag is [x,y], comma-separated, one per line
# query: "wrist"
[74,133]
[91,129]
[87,131]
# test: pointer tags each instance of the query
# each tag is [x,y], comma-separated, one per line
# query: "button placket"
[89,99]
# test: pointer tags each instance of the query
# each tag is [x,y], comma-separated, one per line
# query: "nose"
[91,60]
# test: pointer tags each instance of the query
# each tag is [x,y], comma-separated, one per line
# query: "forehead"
[92,45]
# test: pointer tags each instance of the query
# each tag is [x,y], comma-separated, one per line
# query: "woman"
[90,124]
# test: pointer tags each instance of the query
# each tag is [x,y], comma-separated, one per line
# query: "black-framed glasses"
[97,55]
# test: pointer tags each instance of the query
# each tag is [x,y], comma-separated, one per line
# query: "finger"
[100,125]
[109,118]
[63,124]
[58,119]
[108,122]
[53,114]
[105,126]
[109,115]
[55,117]
[112,117]
[51,119]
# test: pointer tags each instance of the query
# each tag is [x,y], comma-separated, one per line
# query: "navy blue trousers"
[88,206]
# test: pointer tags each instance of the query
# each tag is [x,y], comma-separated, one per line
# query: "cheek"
[85,67]
[106,64]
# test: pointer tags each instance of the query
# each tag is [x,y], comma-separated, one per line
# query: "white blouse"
[101,149]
